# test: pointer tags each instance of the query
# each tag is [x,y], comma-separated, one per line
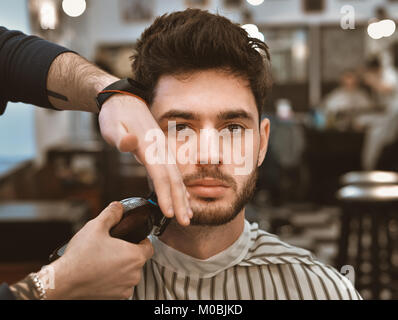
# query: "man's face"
[199,106]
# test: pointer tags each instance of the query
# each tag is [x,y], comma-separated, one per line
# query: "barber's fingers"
[170,191]
[180,200]
[167,180]
[111,215]
[146,248]
[169,186]
[122,139]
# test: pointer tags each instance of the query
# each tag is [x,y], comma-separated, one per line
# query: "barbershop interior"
[329,181]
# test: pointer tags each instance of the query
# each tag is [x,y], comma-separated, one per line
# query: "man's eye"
[235,127]
[181,126]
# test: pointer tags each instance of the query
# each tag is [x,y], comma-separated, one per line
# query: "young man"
[205,75]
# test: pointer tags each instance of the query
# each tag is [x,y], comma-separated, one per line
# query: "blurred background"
[330,178]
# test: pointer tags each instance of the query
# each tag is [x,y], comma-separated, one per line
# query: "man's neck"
[203,242]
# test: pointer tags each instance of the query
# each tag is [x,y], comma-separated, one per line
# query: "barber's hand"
[98,266]
[124,121]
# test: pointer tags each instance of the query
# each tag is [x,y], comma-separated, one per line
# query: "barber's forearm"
[61,289]
[73,83]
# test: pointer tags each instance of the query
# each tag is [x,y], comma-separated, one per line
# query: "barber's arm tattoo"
[56,95]
[25,290]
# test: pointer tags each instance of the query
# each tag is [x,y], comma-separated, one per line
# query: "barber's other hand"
[124,122]
[98,266]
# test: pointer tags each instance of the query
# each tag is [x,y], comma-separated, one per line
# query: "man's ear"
[264,136]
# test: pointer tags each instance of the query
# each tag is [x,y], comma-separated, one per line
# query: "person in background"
[346,99]
[44,74]
[383,82]
[383,131]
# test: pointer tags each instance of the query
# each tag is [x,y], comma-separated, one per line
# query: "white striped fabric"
[257,266]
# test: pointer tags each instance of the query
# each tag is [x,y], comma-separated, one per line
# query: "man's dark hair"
[196,40]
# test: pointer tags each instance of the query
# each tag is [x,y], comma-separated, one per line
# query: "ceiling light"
[255,2]
[380,29]
[74,8]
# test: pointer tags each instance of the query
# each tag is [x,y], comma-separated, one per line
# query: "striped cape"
[257,266]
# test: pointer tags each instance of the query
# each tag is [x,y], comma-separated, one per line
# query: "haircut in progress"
[195,40]
[205,74]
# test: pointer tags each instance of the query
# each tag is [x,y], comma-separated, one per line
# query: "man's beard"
[208,213]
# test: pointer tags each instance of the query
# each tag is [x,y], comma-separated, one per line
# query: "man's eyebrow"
[172,114]
[236,114]
[222,116]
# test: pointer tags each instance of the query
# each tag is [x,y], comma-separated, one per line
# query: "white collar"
[184,264]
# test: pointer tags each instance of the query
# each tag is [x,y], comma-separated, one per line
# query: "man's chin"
[218,209]
[212,212]
[211,220]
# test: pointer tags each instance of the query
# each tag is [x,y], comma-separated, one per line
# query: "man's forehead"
[203,94]
[203,79]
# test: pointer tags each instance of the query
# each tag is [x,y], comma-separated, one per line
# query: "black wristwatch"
[125,86]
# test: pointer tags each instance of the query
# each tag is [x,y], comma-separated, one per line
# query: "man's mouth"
[207,188]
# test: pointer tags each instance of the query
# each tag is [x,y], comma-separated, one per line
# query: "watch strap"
[125,86]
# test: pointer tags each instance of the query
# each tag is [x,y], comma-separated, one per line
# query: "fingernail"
[187,220]
[170,212]
[190,213]
[113,204]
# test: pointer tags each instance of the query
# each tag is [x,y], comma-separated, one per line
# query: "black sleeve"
[24,65]
[5,293]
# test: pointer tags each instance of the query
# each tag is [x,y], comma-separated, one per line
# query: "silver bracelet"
[39,286]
